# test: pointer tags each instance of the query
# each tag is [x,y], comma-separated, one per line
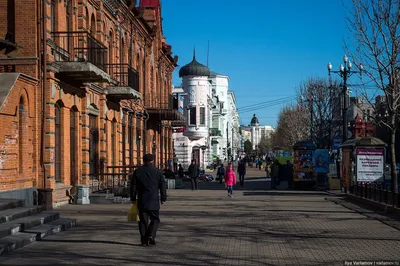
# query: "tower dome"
[254,121]
[194,68]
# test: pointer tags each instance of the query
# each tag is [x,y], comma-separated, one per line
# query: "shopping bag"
[133,214]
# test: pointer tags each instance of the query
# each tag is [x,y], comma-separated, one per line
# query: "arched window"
[113,142]
[21,134]
[58,141]
[122,51]
[68,23]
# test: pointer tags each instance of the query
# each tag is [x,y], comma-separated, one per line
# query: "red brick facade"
[83,125]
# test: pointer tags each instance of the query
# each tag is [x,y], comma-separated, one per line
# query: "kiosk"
[304,175]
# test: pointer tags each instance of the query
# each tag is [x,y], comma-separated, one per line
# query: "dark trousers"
[194,183]
[147,229]
[241,179]
[273,182]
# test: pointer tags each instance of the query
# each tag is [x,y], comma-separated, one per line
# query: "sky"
[266,47]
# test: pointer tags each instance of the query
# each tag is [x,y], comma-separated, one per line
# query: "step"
[10,203]
[15,241]
[19,212]
[51,228]
[25,223]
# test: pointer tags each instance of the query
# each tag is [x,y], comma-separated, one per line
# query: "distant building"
[257,131]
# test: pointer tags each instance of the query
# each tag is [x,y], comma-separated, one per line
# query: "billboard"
[321,160]
[370,164]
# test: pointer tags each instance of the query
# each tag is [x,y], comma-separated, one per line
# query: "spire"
[194,53]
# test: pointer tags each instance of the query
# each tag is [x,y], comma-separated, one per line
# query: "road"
[205,227]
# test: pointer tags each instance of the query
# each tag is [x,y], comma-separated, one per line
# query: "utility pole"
[232,142]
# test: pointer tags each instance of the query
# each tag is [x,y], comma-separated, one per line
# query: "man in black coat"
[194,173]
[147,180]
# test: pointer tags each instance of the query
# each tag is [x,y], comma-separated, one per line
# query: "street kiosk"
[304,175]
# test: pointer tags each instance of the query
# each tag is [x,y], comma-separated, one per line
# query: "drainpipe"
[45,194]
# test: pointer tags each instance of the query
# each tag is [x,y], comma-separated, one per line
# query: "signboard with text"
[370,164]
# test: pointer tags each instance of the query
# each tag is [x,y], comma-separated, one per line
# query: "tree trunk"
[393,162]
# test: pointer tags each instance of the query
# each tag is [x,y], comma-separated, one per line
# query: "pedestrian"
[147,180]
[180,171]
[242,172]
[230,179]
[175,163]
[194,173]
[290,173]
[221,173]
[275,174]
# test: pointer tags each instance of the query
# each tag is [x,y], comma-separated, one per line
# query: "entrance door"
[72,143]
[93,145]
[196,155]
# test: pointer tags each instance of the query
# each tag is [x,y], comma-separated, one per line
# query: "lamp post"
[345,72]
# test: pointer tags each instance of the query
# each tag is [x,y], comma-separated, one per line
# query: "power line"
[265,103]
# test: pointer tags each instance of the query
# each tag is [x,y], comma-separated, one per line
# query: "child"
[230,179]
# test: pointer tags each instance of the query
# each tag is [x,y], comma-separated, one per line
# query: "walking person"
[275,174]
[221,173]
[230,179]
[290,173]
[194,173]
[146,182]
[180,171]
[242,172]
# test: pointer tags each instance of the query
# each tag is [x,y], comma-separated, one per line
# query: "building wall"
[118,122]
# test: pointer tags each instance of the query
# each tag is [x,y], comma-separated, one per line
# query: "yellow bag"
[133,214]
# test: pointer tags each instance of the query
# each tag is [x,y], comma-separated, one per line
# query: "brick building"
[105,99]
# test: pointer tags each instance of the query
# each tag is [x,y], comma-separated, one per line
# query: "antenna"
[208,52]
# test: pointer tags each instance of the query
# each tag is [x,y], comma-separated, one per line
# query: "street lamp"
[345,72]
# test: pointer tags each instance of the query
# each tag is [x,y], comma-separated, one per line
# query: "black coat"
[146,182]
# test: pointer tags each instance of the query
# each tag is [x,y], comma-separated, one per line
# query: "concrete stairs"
[21,225]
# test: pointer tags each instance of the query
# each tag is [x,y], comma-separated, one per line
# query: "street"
[205,227]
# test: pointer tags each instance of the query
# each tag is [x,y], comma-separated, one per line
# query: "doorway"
[93,145]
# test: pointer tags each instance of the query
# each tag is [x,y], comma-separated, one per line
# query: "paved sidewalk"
[205,227]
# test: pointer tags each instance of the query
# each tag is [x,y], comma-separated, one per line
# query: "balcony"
[215,132]
[167,111]
[78,58]
[124,83]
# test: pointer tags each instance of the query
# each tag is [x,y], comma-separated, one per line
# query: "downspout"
[145,111]
[44,66]
[45,194]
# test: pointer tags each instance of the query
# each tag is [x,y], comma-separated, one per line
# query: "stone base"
[82,194]
[29,195]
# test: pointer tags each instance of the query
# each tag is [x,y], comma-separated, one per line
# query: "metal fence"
[111,178]
[376,192]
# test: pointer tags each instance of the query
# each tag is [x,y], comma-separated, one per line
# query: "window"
[202,116]
[53,15]
[58,139]
[21,137]
[192,114]
[72,144]
[113,143]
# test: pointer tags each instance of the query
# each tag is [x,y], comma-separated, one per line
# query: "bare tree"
[375,27]
[292,127]
[318,97]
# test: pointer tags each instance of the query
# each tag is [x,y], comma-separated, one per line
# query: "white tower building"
[194,143]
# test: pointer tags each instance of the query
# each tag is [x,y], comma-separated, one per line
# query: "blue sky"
[266,47]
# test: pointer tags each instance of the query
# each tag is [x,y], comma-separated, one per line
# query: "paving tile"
[205,227]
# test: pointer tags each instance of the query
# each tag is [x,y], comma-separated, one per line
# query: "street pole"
[232,143]
[345,105]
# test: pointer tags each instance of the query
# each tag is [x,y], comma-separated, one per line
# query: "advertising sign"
[370,164]
[321,160]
